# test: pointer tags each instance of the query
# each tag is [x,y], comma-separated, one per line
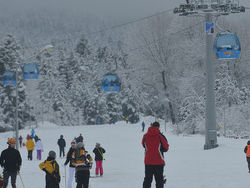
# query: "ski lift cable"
[219,27]
[164,37]
[112,27]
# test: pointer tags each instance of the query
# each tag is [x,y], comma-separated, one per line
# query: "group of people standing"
[79,160]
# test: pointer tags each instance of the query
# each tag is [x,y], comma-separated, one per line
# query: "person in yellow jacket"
[82,162]
[127,119]
[247,151]
[30,146]
[51,168]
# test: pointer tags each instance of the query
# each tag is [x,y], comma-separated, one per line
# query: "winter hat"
[73,143]
[52,154]
[155,124]
[11,141]
[248,142]
[80,145]
[98,144]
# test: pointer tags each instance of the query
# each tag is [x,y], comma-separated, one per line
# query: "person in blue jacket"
[143,126]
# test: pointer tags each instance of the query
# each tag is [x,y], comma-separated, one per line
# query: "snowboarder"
[143,126]
[20,141]
[71,167]
[30,146]
[61,143]
[51,168]
[11,161]
[39,149]
[247,151]
[154,162]
[82,162]
[98,151]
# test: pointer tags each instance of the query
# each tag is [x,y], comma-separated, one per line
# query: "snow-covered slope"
[187,164]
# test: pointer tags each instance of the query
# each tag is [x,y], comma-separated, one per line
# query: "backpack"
[162,149]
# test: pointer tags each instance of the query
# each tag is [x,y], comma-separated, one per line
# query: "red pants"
[98,167]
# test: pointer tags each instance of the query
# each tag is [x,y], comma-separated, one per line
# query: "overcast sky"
[98,8]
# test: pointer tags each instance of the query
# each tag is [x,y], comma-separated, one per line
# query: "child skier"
[98,151]
[39,149]
[51,167]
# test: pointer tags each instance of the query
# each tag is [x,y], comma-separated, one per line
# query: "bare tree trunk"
[171,110]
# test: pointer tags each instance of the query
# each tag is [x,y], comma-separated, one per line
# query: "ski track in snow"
[187,164]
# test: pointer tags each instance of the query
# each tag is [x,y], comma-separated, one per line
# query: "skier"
[20,141]
[61,143]
[79,138]
[32,133]
[82,162]
[36,138]
[28,137]
[11,161]
[39,149]
[126,119]
[51,168]
[247,151]
[71,167]
[98,151]
[30,146]
[143,126]
[154,162]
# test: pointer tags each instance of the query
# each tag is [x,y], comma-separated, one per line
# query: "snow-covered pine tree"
[11,60]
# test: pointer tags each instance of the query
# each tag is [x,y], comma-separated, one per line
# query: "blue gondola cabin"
[227,46]
[30,71]
[9,78]
[111,83]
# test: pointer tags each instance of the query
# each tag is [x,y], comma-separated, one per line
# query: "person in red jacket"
[155,144]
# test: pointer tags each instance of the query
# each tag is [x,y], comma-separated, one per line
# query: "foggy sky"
[104,9]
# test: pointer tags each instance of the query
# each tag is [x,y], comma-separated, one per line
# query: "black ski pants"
[51,182]
[157,172]
[248,161]
[82,178]
[61,151]
[6,175]
[30,152]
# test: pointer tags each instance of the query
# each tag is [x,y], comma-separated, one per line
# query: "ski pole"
[65,176]
[21,180]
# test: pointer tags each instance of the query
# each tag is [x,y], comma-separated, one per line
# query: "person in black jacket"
[98,151]
[79,138]
[11,161]
[61,143]
[71,167]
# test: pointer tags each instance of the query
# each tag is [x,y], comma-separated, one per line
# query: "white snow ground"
[187,164]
